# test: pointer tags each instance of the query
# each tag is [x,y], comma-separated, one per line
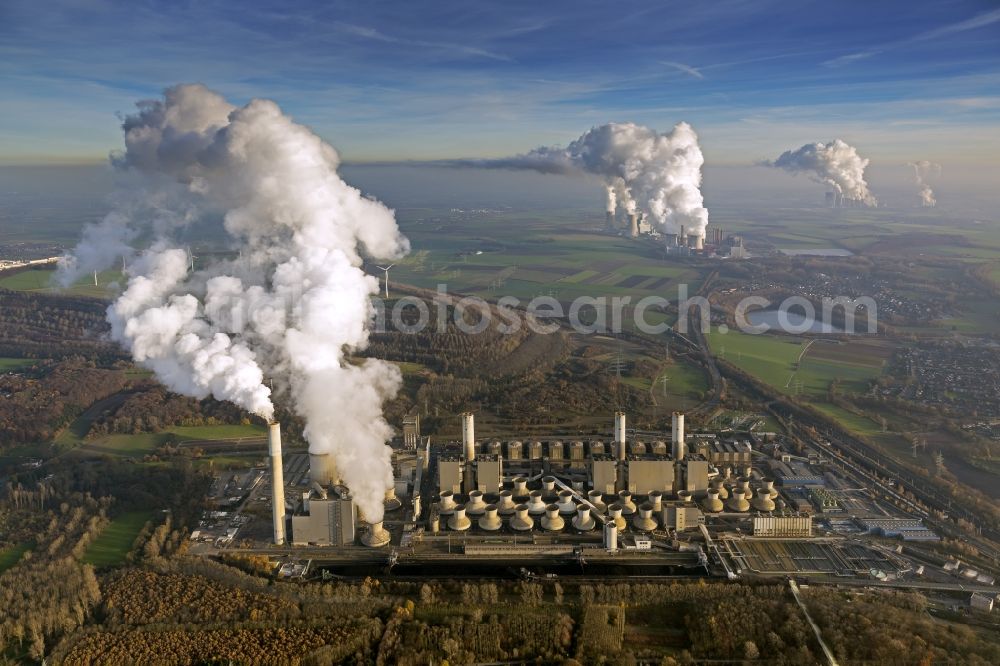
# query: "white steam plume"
[836,164]
[657,173]
[922,170]
[612,200]
[294,305]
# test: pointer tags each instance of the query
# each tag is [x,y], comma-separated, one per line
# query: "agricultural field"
[114,543]
[11,555]
[41,280]
[7,364]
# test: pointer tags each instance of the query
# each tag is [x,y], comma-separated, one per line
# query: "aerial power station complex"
[705,503]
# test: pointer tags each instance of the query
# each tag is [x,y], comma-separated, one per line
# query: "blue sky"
[426,80]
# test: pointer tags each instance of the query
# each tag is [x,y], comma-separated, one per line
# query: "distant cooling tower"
[277,482]
[633,225]
[609,220]
[323,469]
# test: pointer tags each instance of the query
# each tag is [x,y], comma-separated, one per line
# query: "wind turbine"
[386,269]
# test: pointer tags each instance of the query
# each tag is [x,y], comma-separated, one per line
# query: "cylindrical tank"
[656,500]
[521,521]
[615,516]
[556,450]
[506,504]
[576,451]
[738,502]
[375,536]
[391,502]
[583,520]
[597,499]
[638,448]
[535,451]
[475,506]
[514,450]
[490,520]
[447,504]
[625,500]
[611,536]
[536,505]
[658,448]
[619,426]
[712,504]
[458,521]
[434,522]
[677,435]
[644,520]
[597,448]
[323,469]
[469,436]
[520,487]
[552,521]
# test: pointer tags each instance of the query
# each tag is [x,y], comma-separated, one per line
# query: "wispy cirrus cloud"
[681,67]
[974,23]
[365,32]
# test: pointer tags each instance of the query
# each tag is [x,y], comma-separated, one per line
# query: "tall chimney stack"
[677,439]
[277,482]
[619,427]
[469,436]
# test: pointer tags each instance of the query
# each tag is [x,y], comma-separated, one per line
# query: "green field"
[114,543]
[218,432]
[40,280]
[15,363]
[12,555]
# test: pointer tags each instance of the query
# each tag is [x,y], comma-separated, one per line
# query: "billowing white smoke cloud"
[659,174]
[922,170]
[835,164]
[294,304]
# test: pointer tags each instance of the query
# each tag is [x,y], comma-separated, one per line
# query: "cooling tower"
[490,520]
[763,502]
[375,536]
[713,504]
[677,435]
[566,506]
[521,521]
[643,520]
[699,243]
[535,451]
[549,486]
[738,502]
[743,485]
[520,487]
[609,220]
[469,436]
[535,504]
[656,500]
[615,516]
[323,469]
[633,225]
[625,500]
[597,448]
[583,520]
[576,451]
[506,504]
[495,448]
[277,482]
[597,499]
[391,502]
[556,450]
[658,448]
[719,488]
[767,488]
[458,521]
[514,450]
[638,448]
[447,504]
[475,506]
[619,426]
[611,536]
[685,496]
[552,521]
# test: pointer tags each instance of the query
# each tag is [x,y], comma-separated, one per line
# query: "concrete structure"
[695,475]
[489,473]
[603,474]
[644,520]
[459,521]
[475,506]
[376,536]
[521,521]
[615,516]
[450,474]
[646,475]
[782,526]
[411,430]
[325,520]
[277,482]
[713,504]
[553,522]
[490,520]
[506,505]
[584,521]
[981,602]
[682,517]
[619,427]
[633,225]
[626,503]
[323,469]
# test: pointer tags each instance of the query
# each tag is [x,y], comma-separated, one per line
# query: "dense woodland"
[55,326]
[151,408]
